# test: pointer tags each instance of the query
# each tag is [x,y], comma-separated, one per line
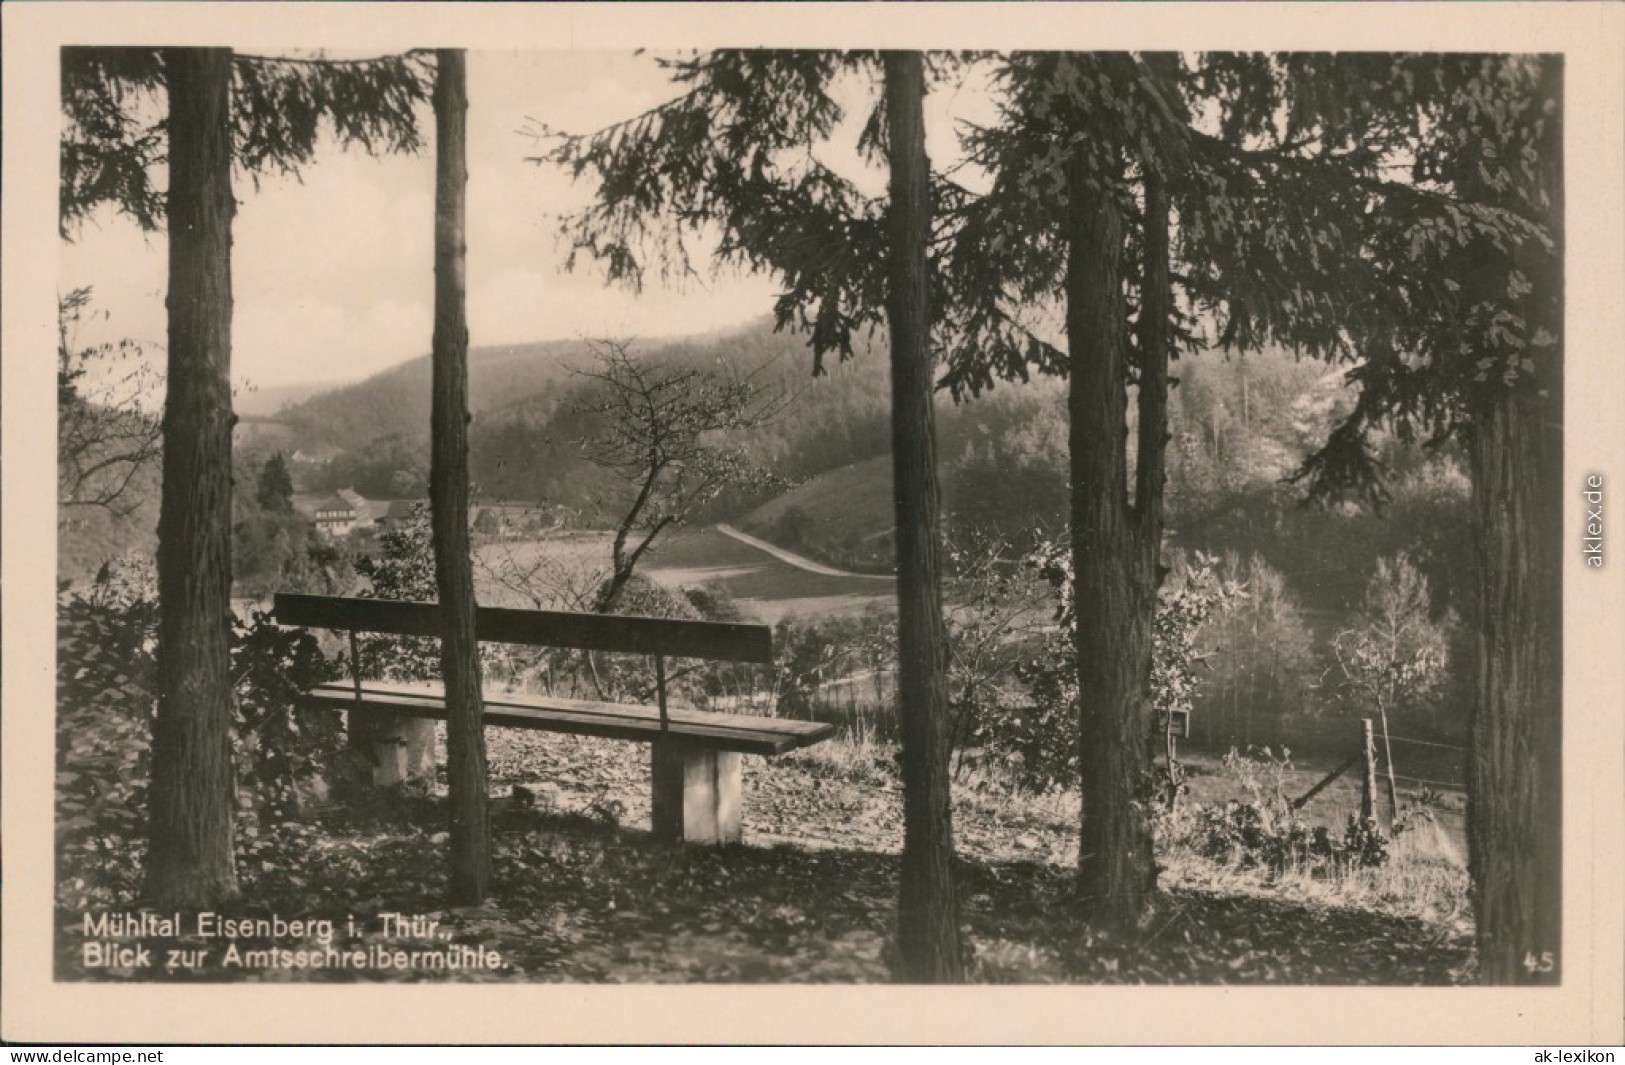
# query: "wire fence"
[1429,781]
[1424,780]
[1380,764]
[1428,743]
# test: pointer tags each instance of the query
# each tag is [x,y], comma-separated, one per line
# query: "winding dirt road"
[790,558]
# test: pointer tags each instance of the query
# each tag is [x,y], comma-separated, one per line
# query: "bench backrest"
[721,641]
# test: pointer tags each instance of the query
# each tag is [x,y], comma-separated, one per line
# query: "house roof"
[336,502]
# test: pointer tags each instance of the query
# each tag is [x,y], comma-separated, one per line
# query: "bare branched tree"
[662,434]
[104,437]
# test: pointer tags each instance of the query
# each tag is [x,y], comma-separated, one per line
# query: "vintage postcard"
[1053,523]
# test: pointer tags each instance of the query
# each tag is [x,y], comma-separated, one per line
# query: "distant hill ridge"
[1240,425]
[395,402]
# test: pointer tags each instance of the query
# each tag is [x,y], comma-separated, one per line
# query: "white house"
[335,516]
[317,455]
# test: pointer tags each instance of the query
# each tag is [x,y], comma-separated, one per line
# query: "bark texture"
[928,910]
[1515,786]
[1115,544]
[1515,815]
[190,860]
[448,493]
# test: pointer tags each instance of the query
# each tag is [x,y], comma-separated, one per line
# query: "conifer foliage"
[204,112]
[736,155]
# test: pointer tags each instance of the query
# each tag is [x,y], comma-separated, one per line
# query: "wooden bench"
[695,755]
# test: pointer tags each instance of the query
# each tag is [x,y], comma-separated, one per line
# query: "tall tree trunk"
[1515,791]
[928,910]
[1515,796]
[190,861]
[448,493]
[1151,447]
[1114,561]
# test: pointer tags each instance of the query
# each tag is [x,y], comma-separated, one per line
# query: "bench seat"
[694,756]
[621,721]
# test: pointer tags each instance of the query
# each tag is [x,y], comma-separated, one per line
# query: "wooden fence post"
[1388,764]
[1368,779]
[1175,775]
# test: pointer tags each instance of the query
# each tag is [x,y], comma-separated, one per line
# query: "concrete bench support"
[698,792]
[401,748]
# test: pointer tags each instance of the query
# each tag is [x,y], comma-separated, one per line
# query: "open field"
[847,510]
[765,588]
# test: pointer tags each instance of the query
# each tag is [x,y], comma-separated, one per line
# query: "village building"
[335,516]
[346,510]
[316,455]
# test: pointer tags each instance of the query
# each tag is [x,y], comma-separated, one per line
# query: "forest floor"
[581,893]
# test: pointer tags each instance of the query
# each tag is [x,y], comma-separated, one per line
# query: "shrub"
[1265,831]
[1247,836]
[106,700]
[1012,673]
[632,677]
[808,655]
[1002,609]
[712,604]
[403,569]
[1182,611]
[281,744]
[105,672]
[400,566]
[1031,727]
[276,550]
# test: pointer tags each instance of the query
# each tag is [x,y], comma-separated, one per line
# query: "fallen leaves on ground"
[581,893]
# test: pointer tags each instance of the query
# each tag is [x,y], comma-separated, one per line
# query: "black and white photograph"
[787,506]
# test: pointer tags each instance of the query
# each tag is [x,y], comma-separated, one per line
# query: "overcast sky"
[332,274]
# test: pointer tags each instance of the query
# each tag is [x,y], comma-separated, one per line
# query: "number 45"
[1545,963]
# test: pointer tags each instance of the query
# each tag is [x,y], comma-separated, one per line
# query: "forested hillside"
[526,437]
[1005,449]
[396,401]
[1241,426]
